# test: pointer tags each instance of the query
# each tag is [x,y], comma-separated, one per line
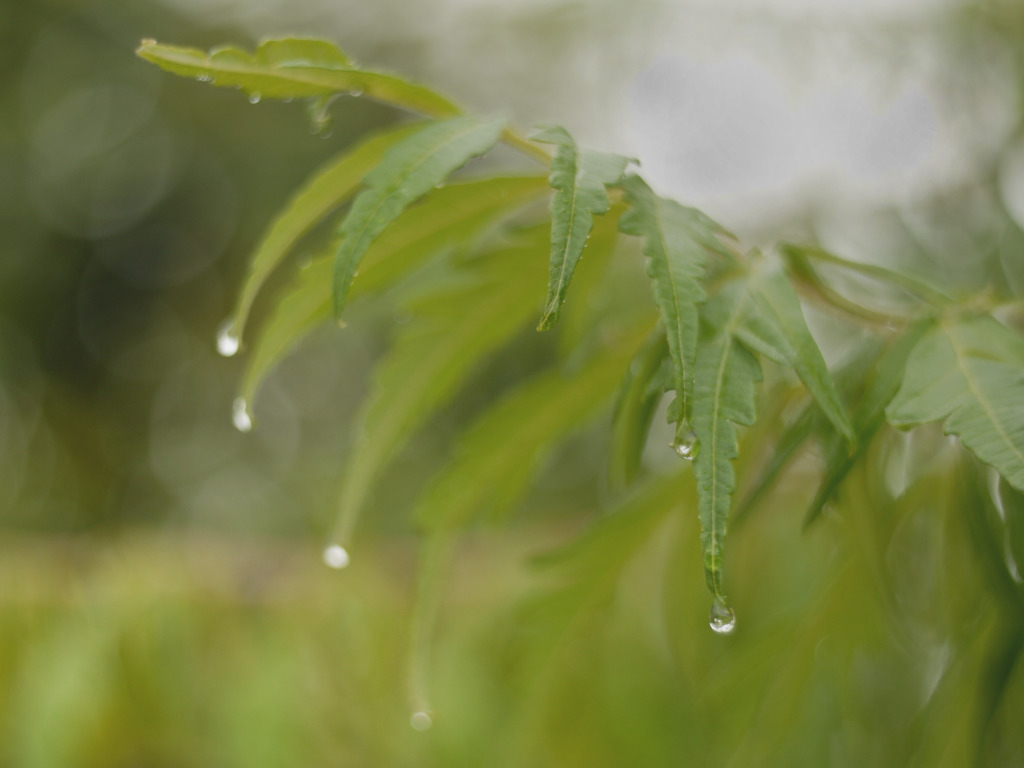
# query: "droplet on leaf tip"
[336,556]
[227,339]
[148,41]
[723,618]
[240,416]
[687,447]
[421,721]
[254,97]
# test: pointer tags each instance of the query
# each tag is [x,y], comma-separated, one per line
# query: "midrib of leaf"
[972,385]
[682,393]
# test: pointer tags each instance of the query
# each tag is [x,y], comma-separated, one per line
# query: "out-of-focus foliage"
[193,624]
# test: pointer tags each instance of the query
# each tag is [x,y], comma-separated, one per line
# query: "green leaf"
[329,188]
[502,450]
[294,68]
[676,243]
[779,308]
[452,216]
[451,333]
[634,411]
[407,172]
[724,387]
[969,373]
[579,179]
[886,372]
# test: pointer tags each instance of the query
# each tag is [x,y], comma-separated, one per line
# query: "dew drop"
[204,78]
[723,618]
[421,721]
[227,339]
[687,447]
[336,556]
[357,92]
[254,97]
[240,415]
[148,41]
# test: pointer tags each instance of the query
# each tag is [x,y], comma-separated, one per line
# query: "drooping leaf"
[778,309]
[408,171]
[676,244]
[452,216]
[724,387]
[968,372]
[294,68]
[502,450]
[886,373]
[634,411]
[449,336]
[579,179]
[323,193]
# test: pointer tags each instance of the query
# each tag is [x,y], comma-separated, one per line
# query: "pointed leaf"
[886,374]
[294,68]
[450,335]
[409,170]
[579,179]
[454,215]
[503,449]
[724,386]
[676,243]
[641,391]
[969,374]
[779,307]
[333,185]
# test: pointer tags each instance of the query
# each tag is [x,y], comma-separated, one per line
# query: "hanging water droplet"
[227,339]
[254,97]
[356,92]
[421,721]
[336,556]
[203,78]
[687,447]
[723,618]
[240,415]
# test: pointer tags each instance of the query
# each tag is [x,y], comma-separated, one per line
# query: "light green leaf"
[725,375]
[329,188]
[452,216]
[634,411]
[779,323]
[408,171]
[502,450]
[579,179]
[969,373]
[886,372]
[676,243]
[294,68]
[449,336]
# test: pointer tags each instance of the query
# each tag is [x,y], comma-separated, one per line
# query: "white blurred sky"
[756,110]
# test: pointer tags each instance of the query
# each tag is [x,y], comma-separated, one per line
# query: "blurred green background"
[162,597]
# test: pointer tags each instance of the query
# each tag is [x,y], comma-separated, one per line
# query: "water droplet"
[289,99]
[203,78]
[723,618]
[227,339]
[421,721]
[240,415]
[254,97]
[336,556]
[357,92]
[687,447]
[148,41]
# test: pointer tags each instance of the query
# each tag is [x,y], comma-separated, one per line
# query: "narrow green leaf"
[452,216]
[779,306]
[408,171]
[676,245]
[634,411]
[451,333]
[329,188]
[579,179]
[294,68]
[502,450]
[969,373]
[886,374]
[724,386]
